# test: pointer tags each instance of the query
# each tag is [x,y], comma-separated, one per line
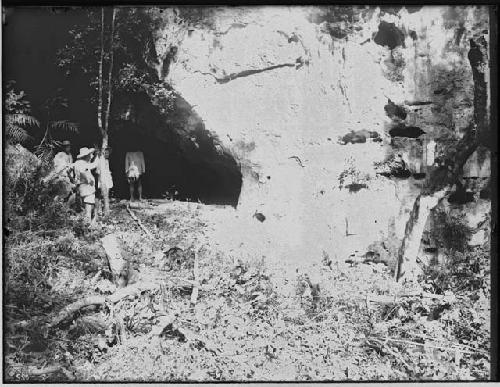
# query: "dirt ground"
[255,317]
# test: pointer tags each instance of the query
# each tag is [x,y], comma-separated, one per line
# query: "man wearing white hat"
[85,180]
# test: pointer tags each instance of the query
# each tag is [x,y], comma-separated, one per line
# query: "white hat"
[85,152]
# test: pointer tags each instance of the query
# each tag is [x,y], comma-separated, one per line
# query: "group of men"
[88,180]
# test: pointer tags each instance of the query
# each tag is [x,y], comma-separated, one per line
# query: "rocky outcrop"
[276,87]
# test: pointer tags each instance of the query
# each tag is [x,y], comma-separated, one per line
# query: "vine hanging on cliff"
[441,180]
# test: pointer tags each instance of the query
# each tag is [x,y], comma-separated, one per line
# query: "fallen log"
[95,278]
[180,282]
[388,299]
[194,294]
[130,291]
[34,371]
[133,216]
[118,264]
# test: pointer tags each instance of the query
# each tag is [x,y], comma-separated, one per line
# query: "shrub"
[30,201]
[352,178]
[395,66]
[451,231]
[467,271]
[17,115]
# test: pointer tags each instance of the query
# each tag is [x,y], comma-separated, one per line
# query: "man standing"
[85,180]
[105,178]
[62,172]
[63,158]
[135,167]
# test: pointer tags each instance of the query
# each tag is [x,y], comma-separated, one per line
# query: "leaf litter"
[247,322]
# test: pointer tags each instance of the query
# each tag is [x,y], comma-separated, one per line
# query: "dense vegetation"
[197,311]
[355,324]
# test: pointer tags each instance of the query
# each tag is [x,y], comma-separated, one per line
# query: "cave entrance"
[180,164]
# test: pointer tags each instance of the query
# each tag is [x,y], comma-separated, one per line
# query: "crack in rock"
[245,73]
[234,25]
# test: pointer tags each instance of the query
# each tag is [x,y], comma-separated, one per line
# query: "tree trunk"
[131,291]
[407,265]
[441,180]
[101,60]
[478,58]
[105,126]
[110,75]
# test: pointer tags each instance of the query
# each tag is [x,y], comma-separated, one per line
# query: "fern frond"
[16,133]
[21,119]
[45,152]
[65,125]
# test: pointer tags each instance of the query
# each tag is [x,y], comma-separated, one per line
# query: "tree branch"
[129,291]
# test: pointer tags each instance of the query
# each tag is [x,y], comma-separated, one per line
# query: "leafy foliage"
[247,323]
[54,108]
[395,66]
[64,125]
[46,151]
[462,271]
[134,57]
[18,116]
[333,14]
[196,16]
[352,178]
[340,21]
[451,230]
[31,202]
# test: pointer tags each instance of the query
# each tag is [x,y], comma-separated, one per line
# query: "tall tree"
[110,84]
[104,125]
[121,41]
[100,84]
[108,52]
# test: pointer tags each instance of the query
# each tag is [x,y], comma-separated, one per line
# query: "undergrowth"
[247,323]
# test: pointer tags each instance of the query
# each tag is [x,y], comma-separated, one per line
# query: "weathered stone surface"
[275,85]
[478,165]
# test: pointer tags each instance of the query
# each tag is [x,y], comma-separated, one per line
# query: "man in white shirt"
[105,179]
[85,180]
[135,167]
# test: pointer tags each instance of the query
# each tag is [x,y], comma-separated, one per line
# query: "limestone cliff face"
[278,86]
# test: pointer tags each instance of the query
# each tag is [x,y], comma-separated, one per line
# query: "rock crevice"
[246,73]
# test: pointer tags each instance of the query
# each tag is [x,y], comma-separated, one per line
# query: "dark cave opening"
[460,196]
[402,130]
[389,35]
[185,164]
[170,172]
